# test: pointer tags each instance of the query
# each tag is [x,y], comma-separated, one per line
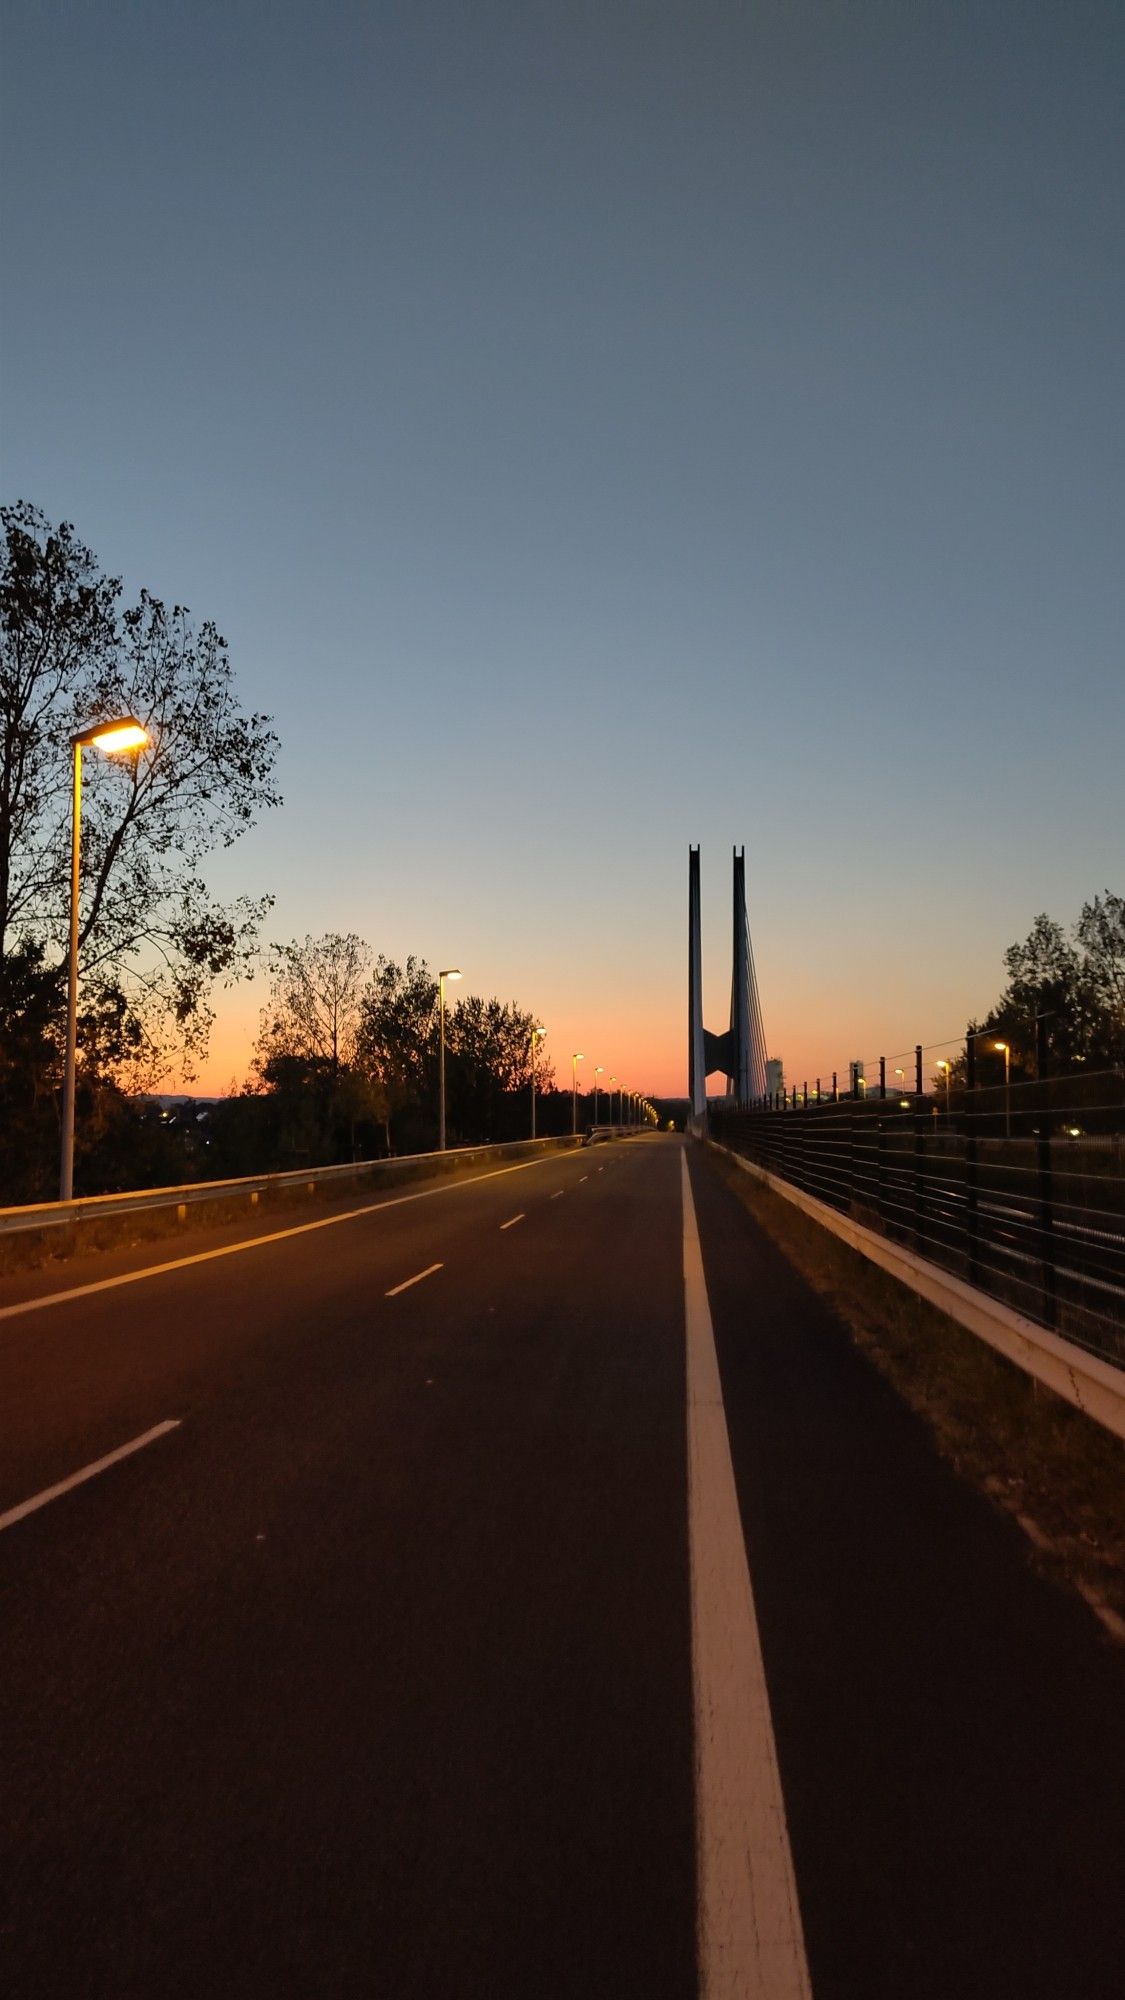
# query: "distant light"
[1002,1046]
[1074,1131]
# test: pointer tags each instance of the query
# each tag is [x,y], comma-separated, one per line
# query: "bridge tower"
[740,1053]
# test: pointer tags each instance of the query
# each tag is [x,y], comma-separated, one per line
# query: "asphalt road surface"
[399,1654]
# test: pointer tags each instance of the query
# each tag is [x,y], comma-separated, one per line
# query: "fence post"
[919,1204]
[917,1069]
[972,1197]
[1046,1219]
[882,1076]
[835,1092]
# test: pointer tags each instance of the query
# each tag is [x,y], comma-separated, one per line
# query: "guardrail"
[1033,1215]
[98,1207]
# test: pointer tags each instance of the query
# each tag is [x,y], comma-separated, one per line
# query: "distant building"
[775,1075]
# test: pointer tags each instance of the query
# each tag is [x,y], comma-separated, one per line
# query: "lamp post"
[124,734]
[946,1070]
[612,1088]
[574,1062]
[1003,1049]
[536,1036]
[451,972]
[600,1071]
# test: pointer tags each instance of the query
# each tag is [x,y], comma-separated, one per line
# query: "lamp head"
[126,733]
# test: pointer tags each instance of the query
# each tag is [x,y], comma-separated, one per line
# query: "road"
[400,1663]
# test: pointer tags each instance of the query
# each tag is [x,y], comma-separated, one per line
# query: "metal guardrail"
[1017,1198]
[1094,1386]
[97,1207]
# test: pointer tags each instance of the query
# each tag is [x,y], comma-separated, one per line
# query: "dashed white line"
[257,1242]
[26,1507]
[558,1194]
[415,1280]
[751,1945]
[512,1221]
[582,1177]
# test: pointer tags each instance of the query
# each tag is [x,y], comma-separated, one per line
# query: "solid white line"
[254,1242]
[512,1221]
[26,1507]
[415,1280]
[749,1924]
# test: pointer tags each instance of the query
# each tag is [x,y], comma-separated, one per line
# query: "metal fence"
[1019,1190]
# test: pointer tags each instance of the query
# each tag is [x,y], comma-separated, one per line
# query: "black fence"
[1019,1190]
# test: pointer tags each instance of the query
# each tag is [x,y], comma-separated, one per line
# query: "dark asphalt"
[374,1677]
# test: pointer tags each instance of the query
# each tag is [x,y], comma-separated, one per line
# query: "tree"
[397,1035]
[152,941]
[1070,990]
[490,1046]
[313,1015]
[1100,932]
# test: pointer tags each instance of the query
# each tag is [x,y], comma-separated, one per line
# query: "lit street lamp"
[574,1062]
[612,1087]
[451,972]
[536,1036]
[1003,1049]
[124,734]
[946,1069]
[600,1071]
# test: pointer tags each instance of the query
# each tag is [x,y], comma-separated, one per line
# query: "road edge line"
[749,1937]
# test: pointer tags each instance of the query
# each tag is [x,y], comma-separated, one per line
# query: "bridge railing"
[1018,1191]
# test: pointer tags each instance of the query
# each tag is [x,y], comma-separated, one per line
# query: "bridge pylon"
[740,1053]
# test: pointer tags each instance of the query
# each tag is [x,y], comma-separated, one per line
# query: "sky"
[599,428]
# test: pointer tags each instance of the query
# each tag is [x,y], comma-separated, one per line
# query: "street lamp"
[126,733]
[946,1069]
[574,1062]
[536,1036]
[600,1071]
[612,1087]
[1003,1049]
[451,972]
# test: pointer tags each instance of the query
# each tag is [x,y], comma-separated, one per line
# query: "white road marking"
[253,1242]
[751,1945]
[415,1280]
[26,1507]
[582,1177]
[558,1194]
[512,1221]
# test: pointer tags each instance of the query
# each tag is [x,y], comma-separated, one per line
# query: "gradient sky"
[599,427]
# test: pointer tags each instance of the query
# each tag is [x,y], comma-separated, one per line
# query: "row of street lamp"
[640,1110]
[127,734]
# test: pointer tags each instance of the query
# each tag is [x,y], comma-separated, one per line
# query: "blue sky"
[602,427]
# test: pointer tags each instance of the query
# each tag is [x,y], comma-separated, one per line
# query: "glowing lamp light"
[127,734]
